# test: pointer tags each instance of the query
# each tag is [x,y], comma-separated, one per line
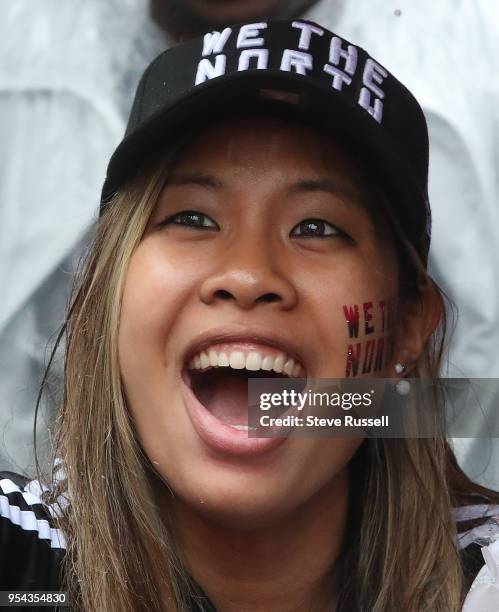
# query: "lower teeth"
[244,427]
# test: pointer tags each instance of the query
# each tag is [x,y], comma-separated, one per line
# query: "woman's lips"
[220,437]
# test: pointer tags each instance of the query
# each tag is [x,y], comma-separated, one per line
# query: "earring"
[399,368]
[403,386]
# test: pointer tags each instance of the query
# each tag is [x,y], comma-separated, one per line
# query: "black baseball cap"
[299,66]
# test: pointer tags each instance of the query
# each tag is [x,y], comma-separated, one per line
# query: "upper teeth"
[253,360]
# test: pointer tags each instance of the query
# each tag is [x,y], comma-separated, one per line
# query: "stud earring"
[399,368]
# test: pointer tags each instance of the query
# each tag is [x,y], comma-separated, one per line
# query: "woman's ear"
[417,319]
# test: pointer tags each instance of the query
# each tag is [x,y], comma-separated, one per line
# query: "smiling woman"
[244,219]
[260,225]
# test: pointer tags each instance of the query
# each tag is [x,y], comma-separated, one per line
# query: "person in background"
[183,19]
[67,75]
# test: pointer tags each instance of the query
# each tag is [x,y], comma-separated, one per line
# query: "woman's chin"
[242,519]
[239,509]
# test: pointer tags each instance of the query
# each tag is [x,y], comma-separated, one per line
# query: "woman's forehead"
[260,142]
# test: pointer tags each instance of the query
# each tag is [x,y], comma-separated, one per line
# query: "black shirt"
[31,548]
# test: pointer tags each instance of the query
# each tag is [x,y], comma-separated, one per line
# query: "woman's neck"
[286,566]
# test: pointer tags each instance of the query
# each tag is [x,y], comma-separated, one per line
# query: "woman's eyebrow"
[328,186]
[194,178]
[302,186]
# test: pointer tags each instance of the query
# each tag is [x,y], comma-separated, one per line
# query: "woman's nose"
[249,275]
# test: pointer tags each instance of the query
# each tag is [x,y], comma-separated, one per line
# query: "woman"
[266,214]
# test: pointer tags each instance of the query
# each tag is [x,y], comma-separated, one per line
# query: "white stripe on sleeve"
[27,520]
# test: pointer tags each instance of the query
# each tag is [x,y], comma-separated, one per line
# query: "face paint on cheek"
[368,356]
[373,355]
[368,317]
[353,358]
[352,316]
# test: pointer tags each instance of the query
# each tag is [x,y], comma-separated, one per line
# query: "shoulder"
[76,45]
[478,541]
[483,595]
[31,545]
[477,523]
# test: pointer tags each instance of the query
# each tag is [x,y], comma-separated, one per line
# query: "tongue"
[225,396]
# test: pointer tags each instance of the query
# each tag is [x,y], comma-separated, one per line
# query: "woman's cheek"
[355,315]
[154,294]
[368,314]
[157,286]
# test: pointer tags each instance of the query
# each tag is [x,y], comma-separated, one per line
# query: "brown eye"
[191,218]
[315,228]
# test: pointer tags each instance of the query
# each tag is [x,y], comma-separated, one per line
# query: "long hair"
[399,550]
[121,555]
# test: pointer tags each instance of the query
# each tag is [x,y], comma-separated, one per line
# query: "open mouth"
[219,380]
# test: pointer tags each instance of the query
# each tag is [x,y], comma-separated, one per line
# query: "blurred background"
[68,71]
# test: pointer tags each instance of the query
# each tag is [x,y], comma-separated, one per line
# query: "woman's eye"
[315,228]
[191,218]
